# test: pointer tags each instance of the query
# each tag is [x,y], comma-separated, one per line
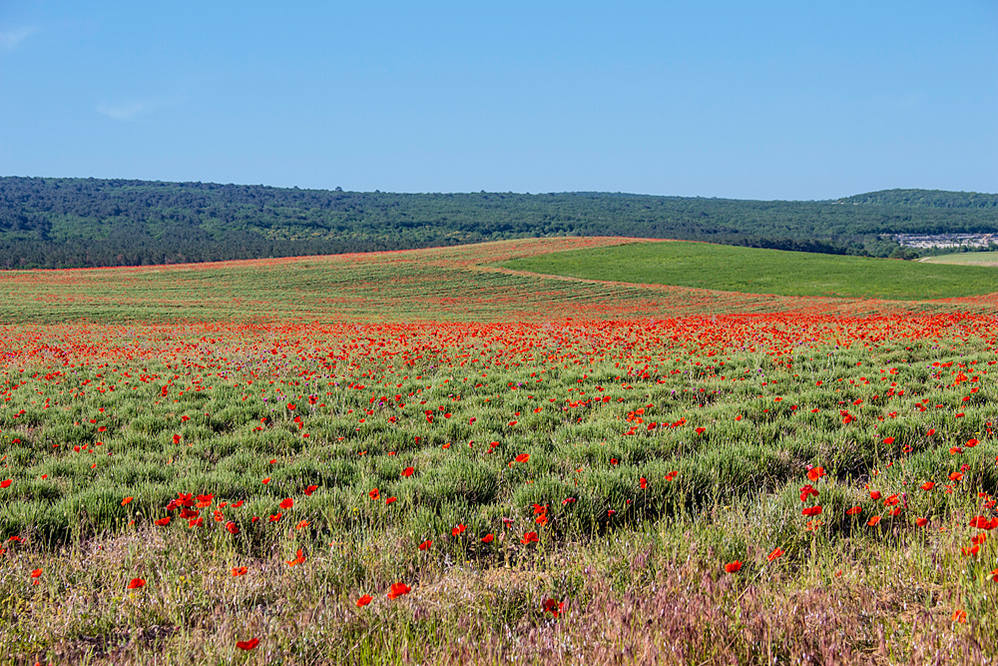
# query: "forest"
[77,222]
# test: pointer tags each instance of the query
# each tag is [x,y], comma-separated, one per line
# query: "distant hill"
[63,222]
[928,198]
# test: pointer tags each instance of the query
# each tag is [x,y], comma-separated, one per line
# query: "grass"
[645,453]
[964,259]
[759,271]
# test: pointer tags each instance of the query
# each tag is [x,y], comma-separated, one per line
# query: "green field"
[762,271]
[964,259]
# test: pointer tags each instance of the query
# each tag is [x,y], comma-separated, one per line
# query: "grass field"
[420,457]
[964,259]
[759,271]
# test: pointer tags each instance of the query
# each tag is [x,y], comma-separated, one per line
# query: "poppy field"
[431,457]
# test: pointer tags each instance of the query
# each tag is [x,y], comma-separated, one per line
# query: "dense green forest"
[63,222]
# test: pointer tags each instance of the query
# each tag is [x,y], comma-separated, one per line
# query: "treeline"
[67,222]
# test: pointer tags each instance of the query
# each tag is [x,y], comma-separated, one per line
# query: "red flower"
[136,583]
[921,522]
[248,645]
[458,530]
[812,511]
[426,544]
[6,483]
[777,552]
[36,573]
[163,521]
[873,521]
[815,473]
[928,485]
[853,511]
[397,590]
[875,494]
[298,560]
[530,537]
[311,489]
[522,458]
[287,503]
[408,471]
[488,538]
[732,567]
[374,493]
[232,527]
[364,600]
[126,501]
[553,606]
[239,571]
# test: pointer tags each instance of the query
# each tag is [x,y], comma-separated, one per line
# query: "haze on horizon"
[772,100]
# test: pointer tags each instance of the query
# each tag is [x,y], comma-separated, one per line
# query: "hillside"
[925,198]
[71,222]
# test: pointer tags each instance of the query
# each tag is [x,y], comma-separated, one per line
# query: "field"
[764,271]
[440,456]
[964,259]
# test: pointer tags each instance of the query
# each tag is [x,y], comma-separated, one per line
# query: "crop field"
[964,259]
[442,456]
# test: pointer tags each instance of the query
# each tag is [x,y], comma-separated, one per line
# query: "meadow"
[437,457]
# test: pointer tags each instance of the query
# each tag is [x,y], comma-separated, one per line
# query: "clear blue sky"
[793,99]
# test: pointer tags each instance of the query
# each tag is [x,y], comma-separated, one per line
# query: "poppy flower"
[248,645]
[522,458]
[928,485]
[529,537]
[298,560]
[733,567]
[287,503]
[812,510]
[232,527]
[136,583]
[815,473]
[458,530]
[364,600]
[488,538]
[267,480]
[238,571]
[872,522]
[408,471]
[162,522]
[374,493]
[275,517]
[426,544]
[553,606]
[311,489]
[36,573]
[126,500]
[854,510]
[397,590]
[6,483]
[921,522]
[875,494]
[777,552]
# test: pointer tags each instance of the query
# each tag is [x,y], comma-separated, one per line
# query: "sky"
[761,100]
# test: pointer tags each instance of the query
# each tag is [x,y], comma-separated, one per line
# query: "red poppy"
[239,571]
[36,573]
[275,517]
[6,483]
[126,501]
[397,590]
[374,493]
[163,521]
[408,471]
[777,552]
[426,544]
[815,473]
[522,458]
[458,530]
[530,537]
[875,494]
[928,485]
[921,522]
[248,645]
[488,538]
[873,521]
[733,567]
[232,527]
[298,560]
[136,583]
[812,510]
[311,489]
[553,606]
[853,511]
[267,480]
[364,600]
[287,503]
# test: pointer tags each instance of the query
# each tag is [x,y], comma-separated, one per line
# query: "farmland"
[444,456]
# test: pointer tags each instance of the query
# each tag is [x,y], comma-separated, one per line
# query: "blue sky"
[796,99]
